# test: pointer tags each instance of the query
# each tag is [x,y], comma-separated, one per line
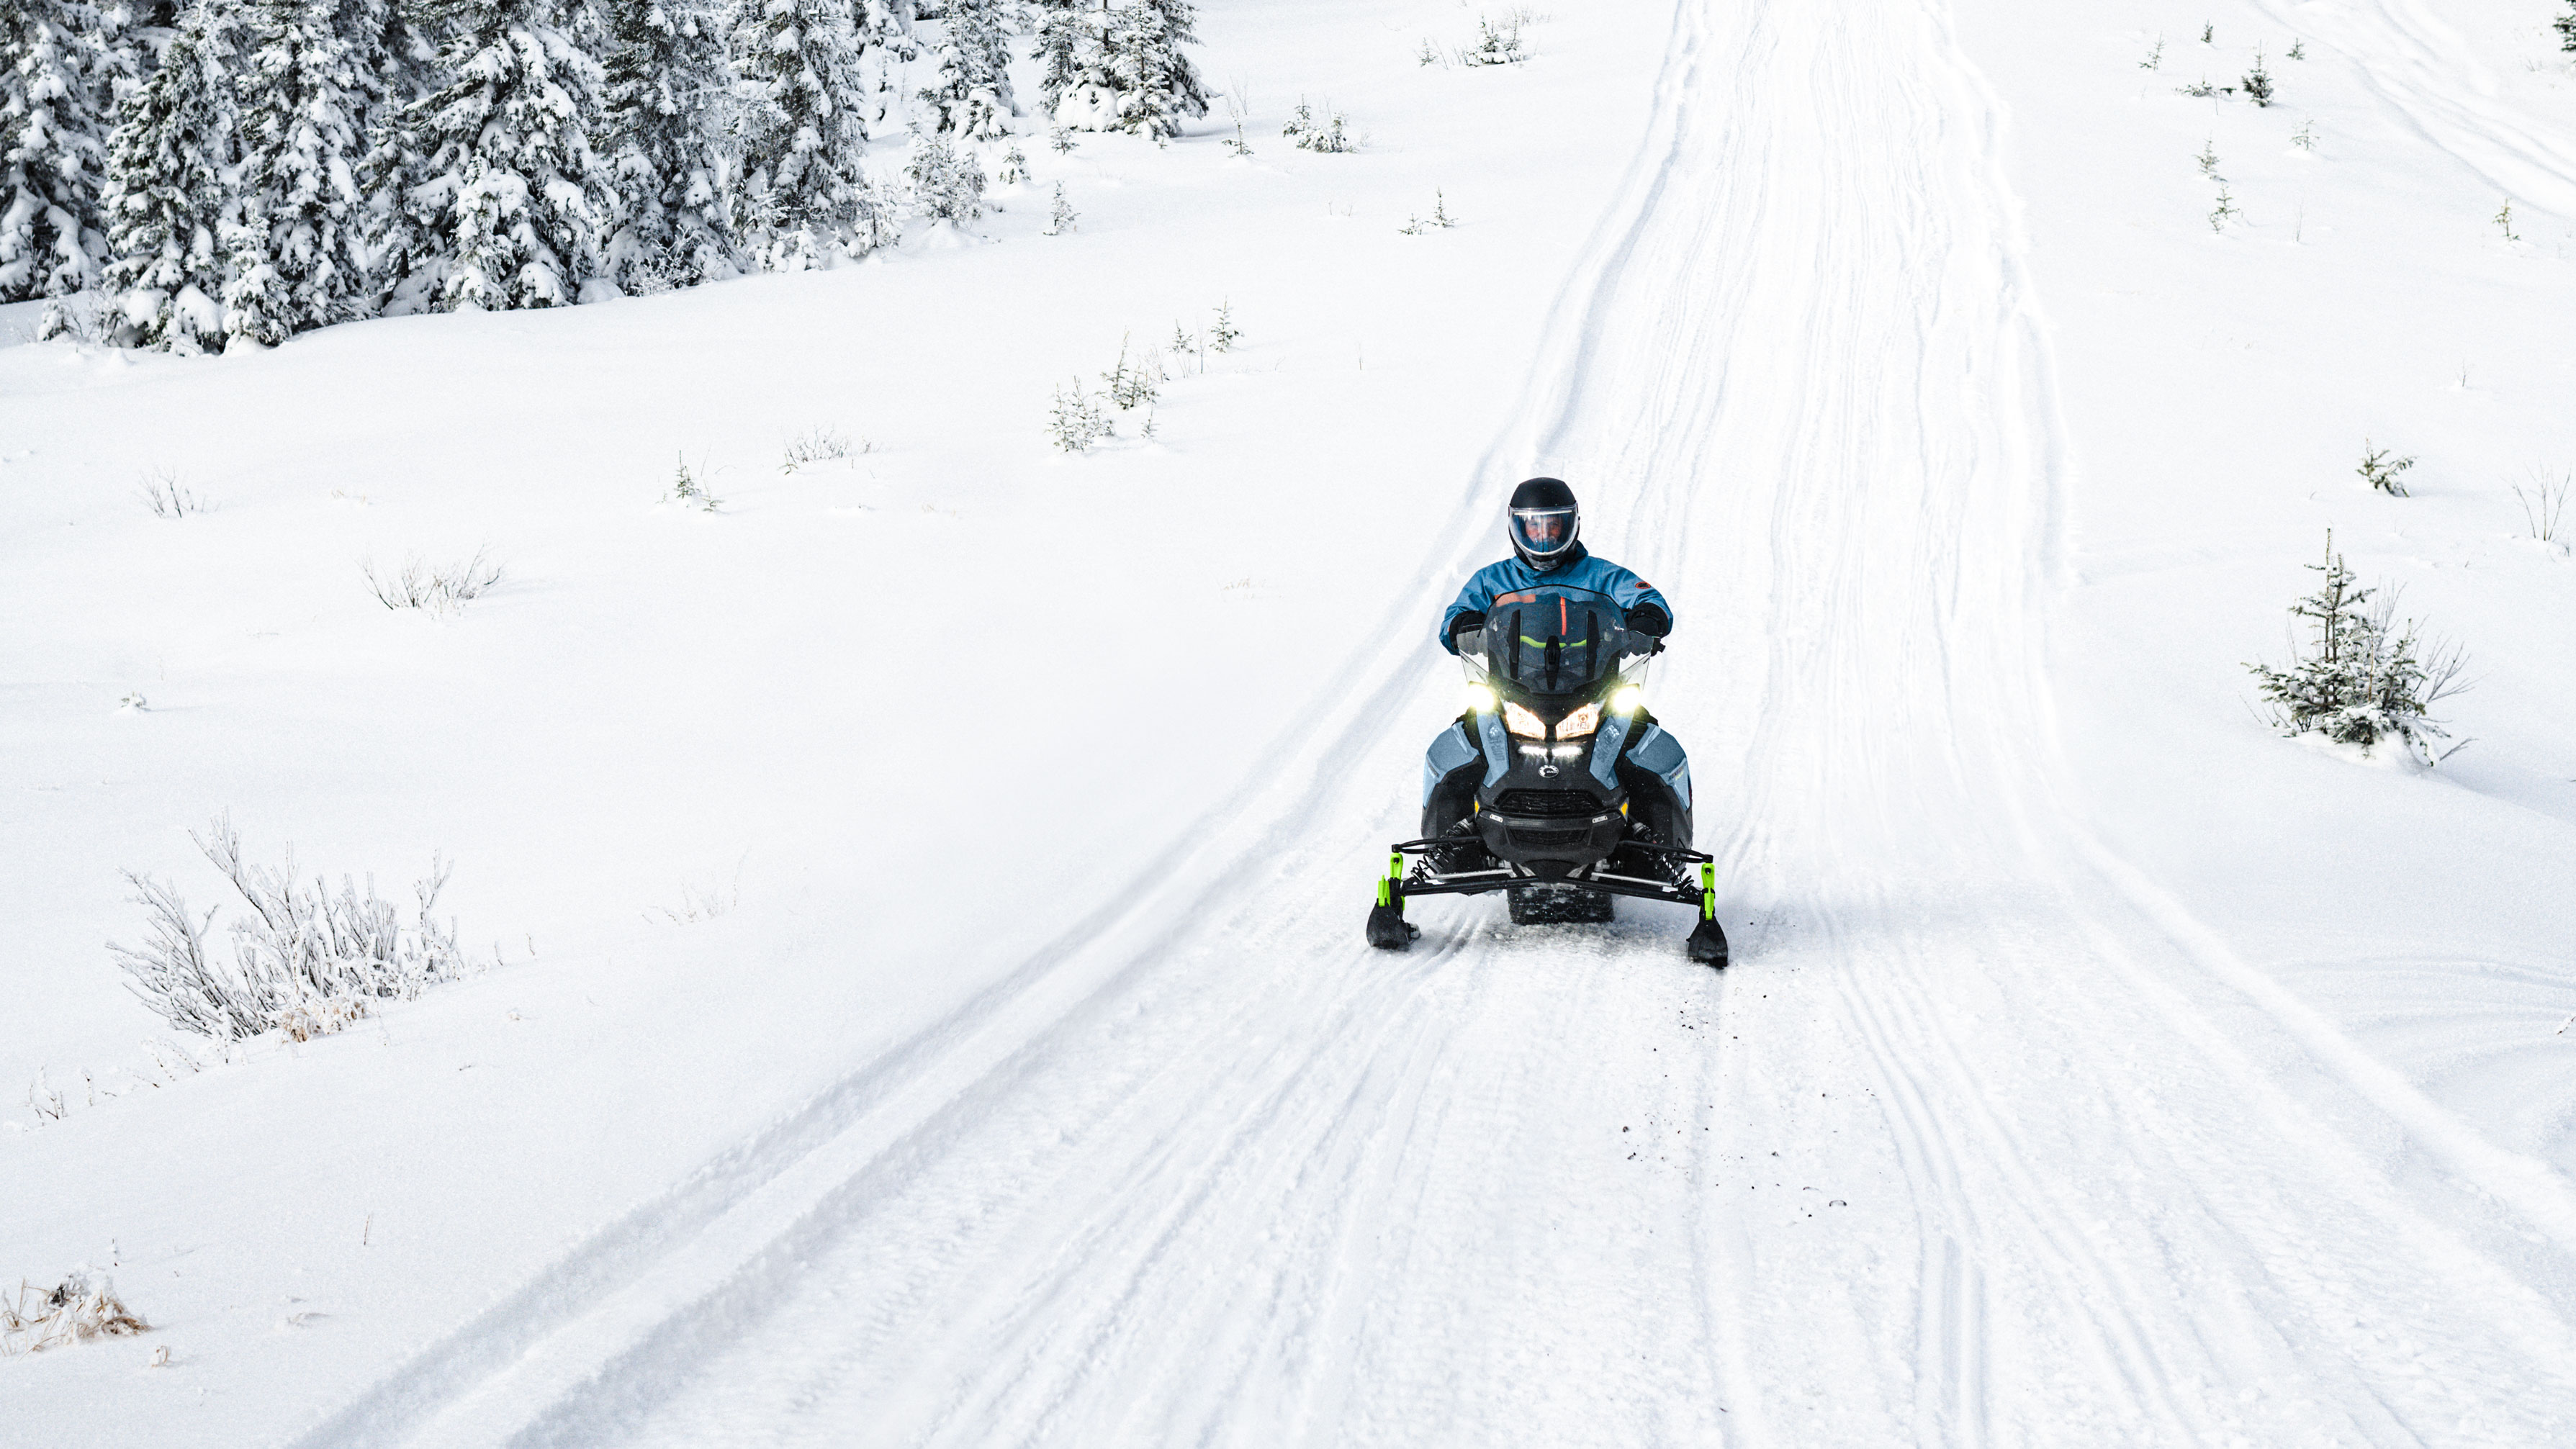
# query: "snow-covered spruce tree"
[946,185]
[1157,86]
[54,99]
[2566,27]
[294,245]
[1068,48]
[1130,72]
[669,115]
[2357,680]
[970,54]
[500,199]
[169,192]
[805,201]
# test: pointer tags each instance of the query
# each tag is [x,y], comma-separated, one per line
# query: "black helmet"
[1545,523]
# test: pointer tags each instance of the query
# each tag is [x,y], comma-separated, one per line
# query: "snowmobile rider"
[1547,548]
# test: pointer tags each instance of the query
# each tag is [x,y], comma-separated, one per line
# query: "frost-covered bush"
[437,589]
[947,185]
[306,956]
[2357,679]
[823,445]
[1329,135]
[69,1312]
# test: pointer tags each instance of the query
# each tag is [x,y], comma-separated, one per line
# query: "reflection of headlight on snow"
[1521,722]
[1480,699]
[1580,723]
[1628,700]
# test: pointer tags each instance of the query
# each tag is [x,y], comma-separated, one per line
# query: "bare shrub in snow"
[162,493]
[2358,679]
[306,957]
[1075,421]
[439,590]
[946,184]
[1330,135]
[823,445]
[1438,220]
[2543,506]
[1062,217]
[71,1311]
[2383,472]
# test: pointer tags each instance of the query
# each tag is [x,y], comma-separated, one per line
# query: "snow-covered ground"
[927,890]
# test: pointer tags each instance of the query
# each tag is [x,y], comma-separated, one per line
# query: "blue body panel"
[1450,749]
[1662,754]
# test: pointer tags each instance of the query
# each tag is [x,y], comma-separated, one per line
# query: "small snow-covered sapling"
[1439,219]
[2504,219]
[2225,212]
[1062,140]
[1015,165]
[1061,219]
[2298,49]
[2258,81]
[2359,679]
[2209,35]
[1223,334]
[2565,25]
[2383,472]
[2155,58]
[2208,159]
[2305,138]
[1075,421]
[1496,45]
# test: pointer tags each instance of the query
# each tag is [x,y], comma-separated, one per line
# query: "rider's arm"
[1634,594]
[1475,598]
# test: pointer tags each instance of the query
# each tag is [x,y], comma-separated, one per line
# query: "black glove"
[1461,624]
[1650,620]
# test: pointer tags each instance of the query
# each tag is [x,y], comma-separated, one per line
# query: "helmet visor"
[1543,532]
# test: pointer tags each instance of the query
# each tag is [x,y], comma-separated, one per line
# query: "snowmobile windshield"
[1543,532]
[1557,641]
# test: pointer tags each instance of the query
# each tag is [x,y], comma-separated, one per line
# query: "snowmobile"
[1581,796]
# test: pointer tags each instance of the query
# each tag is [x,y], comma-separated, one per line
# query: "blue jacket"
[1582,571]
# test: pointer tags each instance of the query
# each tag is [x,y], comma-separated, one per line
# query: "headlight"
[1580,723]
[1521,722]
[1480,699]
[1628,700]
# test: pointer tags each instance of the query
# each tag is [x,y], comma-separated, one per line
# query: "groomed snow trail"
[1979,1142]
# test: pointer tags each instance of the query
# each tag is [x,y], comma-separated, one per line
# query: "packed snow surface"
[929,1004]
